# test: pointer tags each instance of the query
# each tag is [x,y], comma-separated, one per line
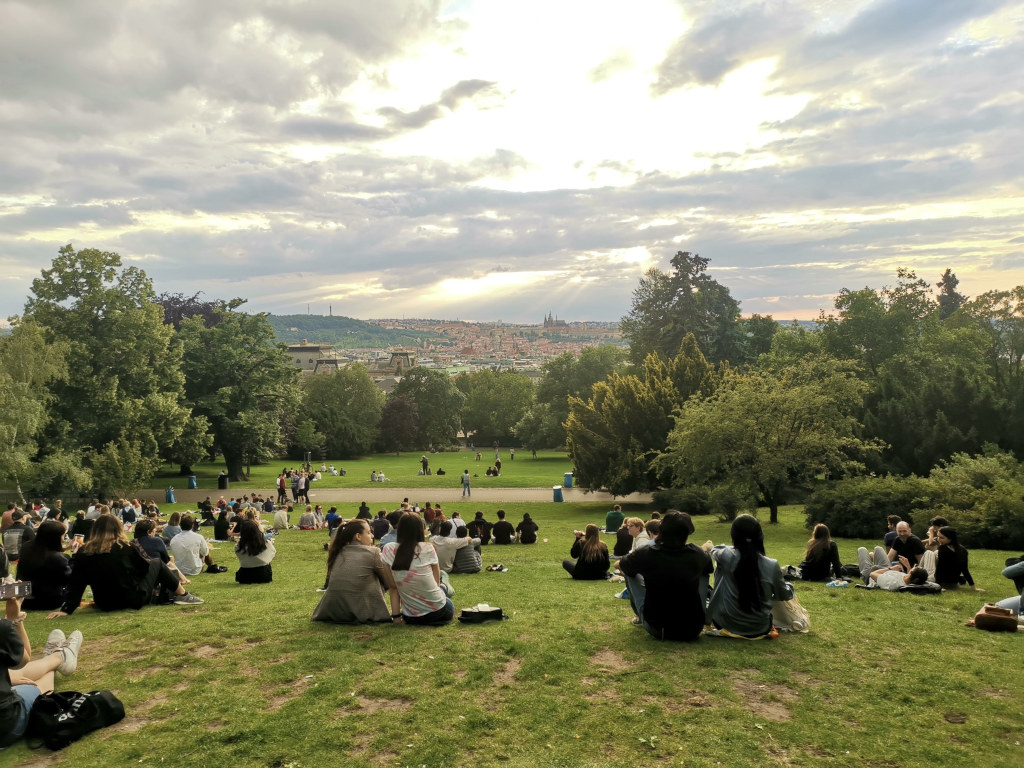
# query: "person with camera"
[588,558]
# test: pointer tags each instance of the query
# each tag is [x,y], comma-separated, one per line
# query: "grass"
[247,680]
[547,469]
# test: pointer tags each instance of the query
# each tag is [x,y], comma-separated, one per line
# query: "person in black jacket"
[503,530]
[821,556]
[120,574]
[589,559]
[44,563]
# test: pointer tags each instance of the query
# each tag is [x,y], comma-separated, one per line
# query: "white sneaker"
[70,653]
[187,599]
[54,642]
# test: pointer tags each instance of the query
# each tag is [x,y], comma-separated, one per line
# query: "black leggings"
[159,575]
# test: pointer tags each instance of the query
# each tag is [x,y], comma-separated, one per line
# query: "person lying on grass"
[24,678]
[120,574]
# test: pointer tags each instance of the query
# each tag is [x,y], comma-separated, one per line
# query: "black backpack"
[62,717]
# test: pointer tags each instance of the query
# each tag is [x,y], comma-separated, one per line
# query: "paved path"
[385,493]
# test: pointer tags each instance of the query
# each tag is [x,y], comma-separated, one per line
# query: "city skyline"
[489,160]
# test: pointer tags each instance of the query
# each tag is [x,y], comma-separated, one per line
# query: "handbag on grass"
[995,619]
[62,717]
[790,616]
[478,614]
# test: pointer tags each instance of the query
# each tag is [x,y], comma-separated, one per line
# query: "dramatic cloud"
[489,160]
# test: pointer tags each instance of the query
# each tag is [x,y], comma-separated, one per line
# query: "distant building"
[314,358]
[550,321]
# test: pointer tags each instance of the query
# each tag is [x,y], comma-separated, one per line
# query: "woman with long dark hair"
[254,555]
[356,576]
[947,564]
[120,575]
[589,559]
[821,556]
[746,583]
[414,568]
[526,531]
[44,563]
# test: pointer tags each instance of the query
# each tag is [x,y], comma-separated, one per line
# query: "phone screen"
[15,590]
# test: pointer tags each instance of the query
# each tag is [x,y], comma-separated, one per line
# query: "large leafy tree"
[495,402]
[438,405]
[399,424]
[669,305]
[345,406]
[124,379]
[542,425]
[768,431]
[242,382]
[614,436]
[29,364]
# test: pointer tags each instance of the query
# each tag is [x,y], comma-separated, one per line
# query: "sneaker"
[54,642]
[216,569]
[70,653]
[637,622]
[187,599]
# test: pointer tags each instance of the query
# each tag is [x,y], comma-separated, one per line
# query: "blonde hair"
[105,533]
[633,521]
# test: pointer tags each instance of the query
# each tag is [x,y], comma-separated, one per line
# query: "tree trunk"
[773,507]
[236,470]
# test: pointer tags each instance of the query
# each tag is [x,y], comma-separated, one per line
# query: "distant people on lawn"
[466,490]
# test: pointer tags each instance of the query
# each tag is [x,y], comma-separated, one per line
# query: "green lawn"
[547,469]
[247,680]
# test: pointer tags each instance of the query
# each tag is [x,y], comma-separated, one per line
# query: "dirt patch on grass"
[215,725]
[373,706]
[805,680]
[363,637]
[130,724]
[148,704]
[957,718]
[609,661]
[298,687]
[206,652]
[681,702]
[39,761]
[994,693]
[387,757]
[769,702]
[506,673]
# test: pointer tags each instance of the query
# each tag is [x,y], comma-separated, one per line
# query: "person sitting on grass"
[24,678]
[307,522]
[623,540]
[190,550]
[588,558]
[526,531]
[947,563]
[380,525]
[413,565]
[44,563]
[746,583]
[467,559]
[119,573]
[613,520]
[254,553]
[1014,570]
[503,530]
[173,527]
[153,546]
[480,528]
[446,546]
[821,556]
[669,581]
[222,526]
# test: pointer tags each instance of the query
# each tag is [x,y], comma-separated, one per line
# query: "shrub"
[694,499]
[857,507]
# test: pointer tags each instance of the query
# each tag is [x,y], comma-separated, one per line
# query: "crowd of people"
[395,567]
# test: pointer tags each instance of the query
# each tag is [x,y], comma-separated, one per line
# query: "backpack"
[62,717]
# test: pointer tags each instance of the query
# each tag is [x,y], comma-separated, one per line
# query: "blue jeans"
[637,594]
[28,694]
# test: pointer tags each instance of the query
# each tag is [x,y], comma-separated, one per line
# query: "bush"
[856,508]
[996,521]
[694,499]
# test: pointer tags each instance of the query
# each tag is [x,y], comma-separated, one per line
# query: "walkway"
[391,495]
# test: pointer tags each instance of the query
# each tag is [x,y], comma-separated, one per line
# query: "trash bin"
[568,479]
[556,490]
[222,482]
[192,484]
[169,495]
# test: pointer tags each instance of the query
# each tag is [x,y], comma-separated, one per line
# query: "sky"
[497,160]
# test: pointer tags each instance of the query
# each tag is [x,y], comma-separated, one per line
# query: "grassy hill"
[342,332]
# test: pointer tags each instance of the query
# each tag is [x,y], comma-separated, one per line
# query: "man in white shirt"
[190,550]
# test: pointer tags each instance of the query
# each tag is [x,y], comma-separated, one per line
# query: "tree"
[28,365]
[669,305]
[495,402]
[345,405]
[769,431]
[949,299]
[438,405]
[125,381]
[242,382]
[306,438]
[399,424]
[193,444]
[565,376]
[178,306]
[614,436]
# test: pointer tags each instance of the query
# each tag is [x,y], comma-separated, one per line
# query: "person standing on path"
[466,491]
